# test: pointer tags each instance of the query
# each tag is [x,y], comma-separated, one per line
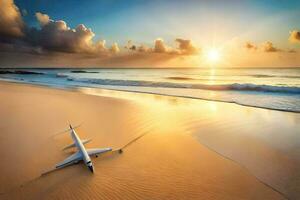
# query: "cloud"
[11,23]
[43,19]
[133,47]
[57,36]
[115,48]
[144,48]
[186,47]
[50,36]
[269,47]
[250,46]
[159,46]
[130,46]
[53,41]
[294,36]
[100,45]
[292,51]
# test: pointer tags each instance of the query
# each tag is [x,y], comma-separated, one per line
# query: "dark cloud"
[130,46]
[250,46]
[294,36]
[133,47]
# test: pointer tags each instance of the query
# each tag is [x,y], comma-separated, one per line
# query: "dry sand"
[193,149]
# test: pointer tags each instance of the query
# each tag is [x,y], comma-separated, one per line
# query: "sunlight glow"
[213,55]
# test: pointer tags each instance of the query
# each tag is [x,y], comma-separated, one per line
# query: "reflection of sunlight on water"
[139,97]
[212,94]
[147,98]
[211,77]
[167,110]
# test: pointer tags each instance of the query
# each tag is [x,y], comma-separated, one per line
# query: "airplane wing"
[93,152]
[70,160]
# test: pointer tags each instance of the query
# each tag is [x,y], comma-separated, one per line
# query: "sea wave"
[262,96]
[273,76]
[181,78]
[225,87]
[22,72]
[240,75]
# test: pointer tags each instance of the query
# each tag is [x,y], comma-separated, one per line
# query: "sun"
[213,55]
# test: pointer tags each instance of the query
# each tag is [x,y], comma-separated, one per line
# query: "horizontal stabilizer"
[86,141]
[73,145]
[67,130]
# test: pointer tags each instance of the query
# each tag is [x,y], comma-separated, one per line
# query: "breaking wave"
[224,87]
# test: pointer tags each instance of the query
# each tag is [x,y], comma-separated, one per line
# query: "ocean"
[277,89]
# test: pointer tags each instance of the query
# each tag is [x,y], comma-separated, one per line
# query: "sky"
[140,33]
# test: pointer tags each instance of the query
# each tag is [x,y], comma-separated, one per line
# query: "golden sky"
[203,35]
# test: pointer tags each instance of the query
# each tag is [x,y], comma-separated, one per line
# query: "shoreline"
[74,88]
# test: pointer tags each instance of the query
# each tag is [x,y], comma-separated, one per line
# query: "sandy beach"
[193,149]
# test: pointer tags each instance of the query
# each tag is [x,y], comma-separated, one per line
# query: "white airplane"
[82,154]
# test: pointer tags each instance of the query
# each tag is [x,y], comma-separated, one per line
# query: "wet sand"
[193,149]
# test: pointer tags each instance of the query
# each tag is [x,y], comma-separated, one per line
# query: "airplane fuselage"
[85,156]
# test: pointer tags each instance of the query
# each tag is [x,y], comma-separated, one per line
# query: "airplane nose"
[91,168]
